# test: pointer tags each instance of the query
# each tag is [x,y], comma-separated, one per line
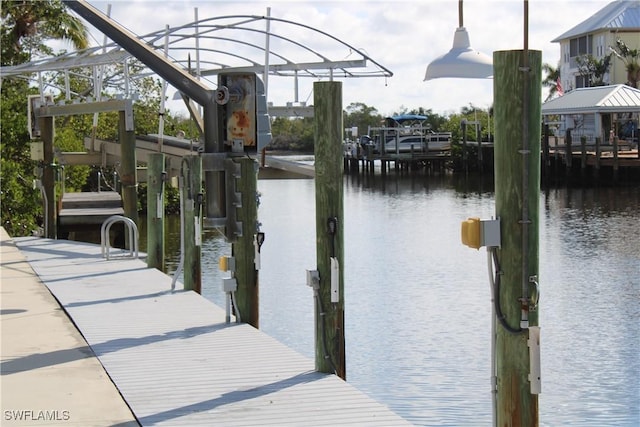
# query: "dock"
[171,355]
[87,210]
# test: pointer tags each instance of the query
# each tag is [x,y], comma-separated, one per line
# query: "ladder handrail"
[133,235]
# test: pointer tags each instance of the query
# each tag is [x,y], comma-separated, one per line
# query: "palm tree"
[551,80]
[630,57]
[27,24]
[593,69]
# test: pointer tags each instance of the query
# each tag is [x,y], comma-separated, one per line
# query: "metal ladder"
[133,235]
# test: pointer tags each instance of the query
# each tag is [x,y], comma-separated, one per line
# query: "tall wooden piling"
[128,178]
[192,210]
[243,249]
[329,316]
[155,211]
[517,190]
[48,175]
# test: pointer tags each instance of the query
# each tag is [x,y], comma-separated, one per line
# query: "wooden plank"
[174,359]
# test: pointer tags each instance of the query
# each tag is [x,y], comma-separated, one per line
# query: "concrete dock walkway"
[49,374]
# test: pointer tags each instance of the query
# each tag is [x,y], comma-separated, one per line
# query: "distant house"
[600,111]
[594,36]
[604,111]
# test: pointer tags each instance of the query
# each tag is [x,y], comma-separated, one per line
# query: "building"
[594,36]
[604,111]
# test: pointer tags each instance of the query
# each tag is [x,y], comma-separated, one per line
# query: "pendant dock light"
[461,61]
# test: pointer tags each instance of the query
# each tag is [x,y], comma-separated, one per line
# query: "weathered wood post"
[155,211]
[329,313]
[465,165]
[568,152]
[583,156]
[128,178]
[545,154]
[243,249]
[598,154]
[48,175]
[192,210]
[616,160]
[517,109]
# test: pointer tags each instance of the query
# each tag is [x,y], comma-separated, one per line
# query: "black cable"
[322,315]
[496,297]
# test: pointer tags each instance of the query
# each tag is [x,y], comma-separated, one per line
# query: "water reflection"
[418,305]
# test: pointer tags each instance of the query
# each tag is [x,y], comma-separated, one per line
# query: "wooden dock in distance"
[175,360]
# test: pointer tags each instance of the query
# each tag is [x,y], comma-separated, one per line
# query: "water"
[417,302]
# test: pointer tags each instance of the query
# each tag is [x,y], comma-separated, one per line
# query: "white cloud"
[404,36]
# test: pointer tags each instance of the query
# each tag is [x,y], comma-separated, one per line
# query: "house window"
[581,46]
[582,81]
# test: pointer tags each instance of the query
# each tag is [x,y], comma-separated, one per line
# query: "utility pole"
[329,311]
[517,108]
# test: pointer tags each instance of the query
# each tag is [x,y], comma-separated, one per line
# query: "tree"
[630,58]
[551,79]
[25,28]
[361,116]
[593,69]
[28,24]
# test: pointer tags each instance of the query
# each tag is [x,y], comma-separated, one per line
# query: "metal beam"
[129,41]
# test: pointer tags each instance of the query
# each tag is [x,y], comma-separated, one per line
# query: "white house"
[595,36]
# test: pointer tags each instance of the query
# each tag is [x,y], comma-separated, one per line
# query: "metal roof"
[614,98]
[618,15]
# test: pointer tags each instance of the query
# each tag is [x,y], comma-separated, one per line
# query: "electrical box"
[229,284]
[33,103]
[226,263]
[470,233]
[37,150]
[245,120]
[476,233]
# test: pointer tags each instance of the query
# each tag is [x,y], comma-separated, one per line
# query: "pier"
[170,355]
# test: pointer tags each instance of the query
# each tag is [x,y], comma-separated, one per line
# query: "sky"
[403,36]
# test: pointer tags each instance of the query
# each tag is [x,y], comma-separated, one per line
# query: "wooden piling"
[48,175]
[329,316]
[155,211]
[598,154]
[517,119]
[192,209]
[568,152]
[243,250]
[583,156]
[616,160]
[128,177]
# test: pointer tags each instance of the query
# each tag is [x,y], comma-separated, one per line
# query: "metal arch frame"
[288,68]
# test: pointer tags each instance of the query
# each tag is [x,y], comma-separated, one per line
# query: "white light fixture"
[461,61]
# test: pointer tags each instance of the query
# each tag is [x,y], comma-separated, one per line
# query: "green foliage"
[630,58]
[292,134]
[19,202]
[361,116]
[28,24]
[593,69]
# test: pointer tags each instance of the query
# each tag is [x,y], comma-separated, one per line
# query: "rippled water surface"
[417,302]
